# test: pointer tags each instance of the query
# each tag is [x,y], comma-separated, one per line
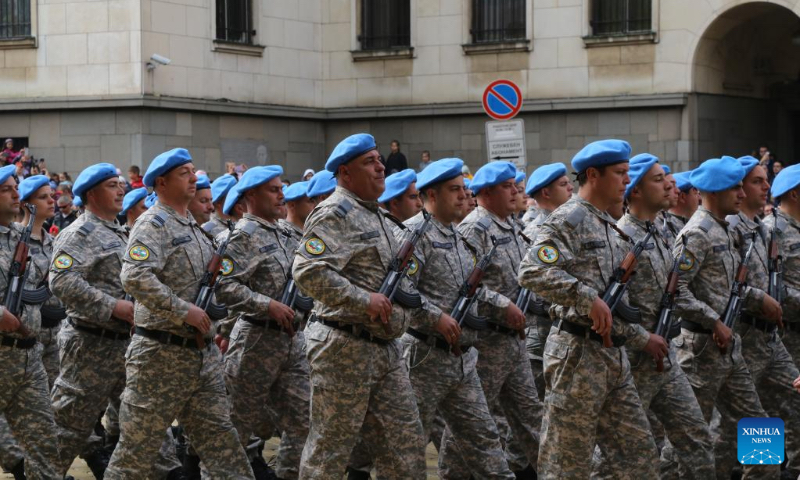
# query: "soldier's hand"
[515,319]
[796,384]
[601,317]
[9,322]
[379,308]
[722,334]
[222,343]
[449,328]
[198,318]
[656,347]
[771,309]
[123,310]
[282,314]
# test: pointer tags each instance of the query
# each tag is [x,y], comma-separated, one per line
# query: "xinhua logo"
[760,441]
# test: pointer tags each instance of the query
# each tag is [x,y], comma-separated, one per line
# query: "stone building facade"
[696,79]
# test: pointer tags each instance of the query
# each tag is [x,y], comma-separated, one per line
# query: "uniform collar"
[703,211]
[603,215]
[501,222]
[91,217]
[791,221]
[187,220]
[264,223]
[371,206]
[446,230]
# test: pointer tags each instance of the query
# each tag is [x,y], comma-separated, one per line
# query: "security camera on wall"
[156,60]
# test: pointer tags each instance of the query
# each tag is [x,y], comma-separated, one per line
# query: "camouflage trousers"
[535,338]
[25,404]
[669,396]
[267,368]
[791,340]
[773,372]
[92,371]
[591,400]
[357,383]
[722,380]
[10,452]
[507,381]
[165,382]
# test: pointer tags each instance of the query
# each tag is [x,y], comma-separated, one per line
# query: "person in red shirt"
[135,177]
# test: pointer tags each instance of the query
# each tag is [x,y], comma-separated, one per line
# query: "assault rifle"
[207,286]
[291,296]
[18,273]
[668,302]
[775,263]
[734,306]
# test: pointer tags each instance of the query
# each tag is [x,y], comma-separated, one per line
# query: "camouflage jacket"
[255,267]
[758,268]
[532,227]
[41,252]
[500,277]
[214,226]
[344,256]
[530,215]
[297,233]
[84,274]
[789,249]
[669,226]
[572,261]
[166,258]
[9,237]
[708,269]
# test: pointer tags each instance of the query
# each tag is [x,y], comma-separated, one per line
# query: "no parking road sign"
[502,100]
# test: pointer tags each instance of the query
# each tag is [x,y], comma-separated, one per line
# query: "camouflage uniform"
[530,215]
[84,275]
[166,257]
[25,402]
[440,379]
[357,372]
[669,226]
[789,249]
[263,365]
[297,233]
[590,396]
[503,365]
[214,226]
[770,365]
[667,394]
[718,379]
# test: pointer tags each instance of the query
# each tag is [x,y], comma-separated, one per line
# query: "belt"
[437,342]
[586,332]
[50,322]
[22,343]
[791,326]
[100,332]
[766,327]
[268,324]
[695,327]
[500,328]
[166,338]
[350,328]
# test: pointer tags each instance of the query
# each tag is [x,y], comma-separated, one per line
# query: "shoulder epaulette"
[86,229]
[706,224]
[208,227]
[629,230]
[158,220]
[249,228]
[343,208]
[733,220]
[394,220]
[575,217]
[781,224]
[483,223]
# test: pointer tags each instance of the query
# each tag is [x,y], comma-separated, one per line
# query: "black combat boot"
[353,474]
[261,470]
[97,461]
[528,474]
[191,467]
[19,470]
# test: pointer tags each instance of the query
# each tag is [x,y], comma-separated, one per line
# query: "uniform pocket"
[558,372]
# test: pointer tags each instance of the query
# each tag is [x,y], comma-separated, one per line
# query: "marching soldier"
[265,365]
[503,365]
[708,351]
[201,206]
[357,372]
[133,206]
[590,395]
[688,201]
[321,186]
[298,207]
[172,371]
[401,197]
[24,401]
[219,191]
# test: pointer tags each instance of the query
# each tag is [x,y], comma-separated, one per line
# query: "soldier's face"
[503,198]
[452,201]
[654,190]
[181,182]
[42,199]
[560,190]
[756,187]
[268,200]
[690,199]
[408,204]
[364,176]
[302,207]
[107,196]
[673,197]
[730,200]
[613,180]
[9,199]
[136,211]
[201,206]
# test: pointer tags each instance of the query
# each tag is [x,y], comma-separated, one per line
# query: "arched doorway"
[746,79]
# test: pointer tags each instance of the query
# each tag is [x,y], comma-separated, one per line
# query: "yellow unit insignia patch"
[687,262]
[548,254]
[227,266]
[315,246]
[139,253]
[63,261]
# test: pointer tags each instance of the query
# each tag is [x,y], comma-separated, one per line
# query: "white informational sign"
[505,140]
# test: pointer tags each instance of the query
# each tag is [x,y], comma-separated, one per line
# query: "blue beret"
[31,184]
[132,198]
[492,174]
[467,183]
[520,177]
[717,174]
[666,168]
[162,164]
[786,180]
[640,165]
[749,163]
[203,182]
[295,191]
[600,153]
[322,183]
[92,176]
[440,171]
[150,200]
[397,183]
[77,202]
[348,149]
[252,178]
[221,186]
[6,172]
[682,180]
[544,176]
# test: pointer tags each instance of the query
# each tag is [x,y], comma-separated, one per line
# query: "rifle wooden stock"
[213,269]
[628,265]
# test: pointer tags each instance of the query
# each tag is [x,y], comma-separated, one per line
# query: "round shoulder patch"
[687,262]
[139,253]
[548,254]
[413,266]
[63,261]
[226,266]
[315,246]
